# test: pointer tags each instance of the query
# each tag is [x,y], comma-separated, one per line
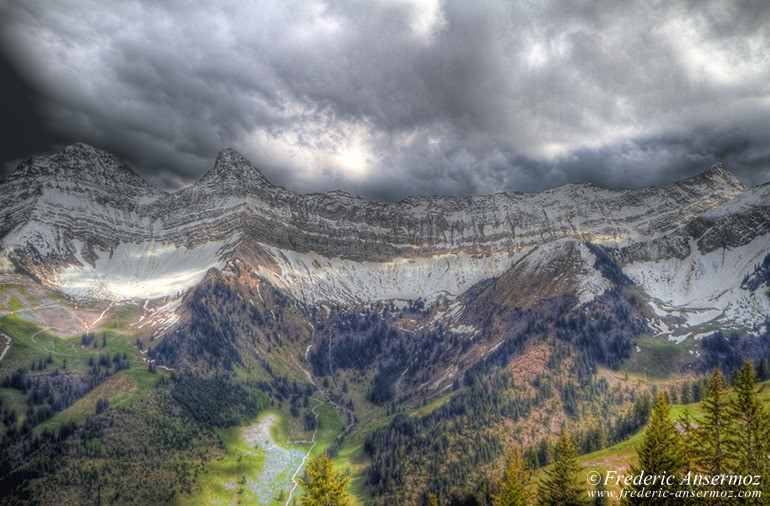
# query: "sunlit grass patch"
[256,469]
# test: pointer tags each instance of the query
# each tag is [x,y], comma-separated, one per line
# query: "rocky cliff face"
[337,224]
[87,224]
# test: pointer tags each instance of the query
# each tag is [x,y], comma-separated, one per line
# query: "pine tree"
[512,489]
[710,436]
[659,454]
[324,485]
[689,447]
[600,497]
[561,486]
[763,370]
[747,442]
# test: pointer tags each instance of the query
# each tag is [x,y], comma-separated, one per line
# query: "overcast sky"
[391,98]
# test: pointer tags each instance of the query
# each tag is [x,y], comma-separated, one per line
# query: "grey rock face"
[86,192]
[73,207]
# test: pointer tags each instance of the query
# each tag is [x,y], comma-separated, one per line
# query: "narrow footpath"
[304,459]
[7,345]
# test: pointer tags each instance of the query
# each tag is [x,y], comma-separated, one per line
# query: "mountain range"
[86,224]
[432,334]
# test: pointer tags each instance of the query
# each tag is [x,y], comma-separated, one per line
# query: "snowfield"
[145,270]
[314,278]
[703,288]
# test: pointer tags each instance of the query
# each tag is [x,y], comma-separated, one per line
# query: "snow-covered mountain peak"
[80,167]
[717,177]
[232,172]
[89,161]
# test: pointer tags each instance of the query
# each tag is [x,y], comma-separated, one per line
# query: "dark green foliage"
[323,484]
[728,353]
[102,405]
[661,453]
[539,454]
[592,438]
[220,318]
[48,393]
[569,396]
[499,358]
[731,438]
[631,421]
[596,435]
[719,351]
[763,370]
[25,458]
[216,402]
[513,487]
[282,388]
[710,437]
[748,438]
[562,486]
[608,267]
[143,455]
[366,341]
[87,339]
[601,494]
[311,421]
[603,332]
[661,446]
[382,390]
[760,276]
[426,449]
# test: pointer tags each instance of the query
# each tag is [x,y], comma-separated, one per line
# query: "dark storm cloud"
[395,97]
[23,131]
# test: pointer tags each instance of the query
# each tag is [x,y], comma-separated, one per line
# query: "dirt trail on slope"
[341,408]
[7,345]
[304,459]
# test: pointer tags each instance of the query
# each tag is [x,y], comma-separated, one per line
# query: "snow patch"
[703,288]
[146,270]
[314,278]
[464,329]
[592,282]
[755,197]
[160,318]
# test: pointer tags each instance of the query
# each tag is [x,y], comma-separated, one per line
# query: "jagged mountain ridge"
[442,223]
[86,223]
